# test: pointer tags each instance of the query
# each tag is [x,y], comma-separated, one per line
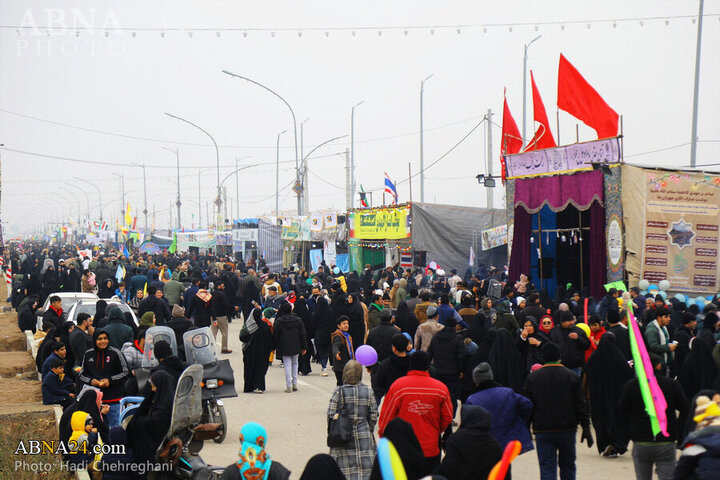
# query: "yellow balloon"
[584,328]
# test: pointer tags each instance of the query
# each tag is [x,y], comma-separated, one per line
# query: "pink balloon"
[366,355]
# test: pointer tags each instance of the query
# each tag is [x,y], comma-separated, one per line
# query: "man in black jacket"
[53,316]
[380,337]
[622,335]
[571,340]
[81,339]
[683,334]
[447,354]
[556,393]
[222,311]
[154,302]
[392,368]
[648,449]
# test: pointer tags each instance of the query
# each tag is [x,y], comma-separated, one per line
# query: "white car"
[88,306]
[68,300]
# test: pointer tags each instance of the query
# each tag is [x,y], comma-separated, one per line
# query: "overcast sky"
[323,57]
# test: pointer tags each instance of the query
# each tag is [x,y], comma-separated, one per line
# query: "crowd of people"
[514,361]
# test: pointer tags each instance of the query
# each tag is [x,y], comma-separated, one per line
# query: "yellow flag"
[128,217]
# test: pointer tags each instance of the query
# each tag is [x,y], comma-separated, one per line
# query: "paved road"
[296,425]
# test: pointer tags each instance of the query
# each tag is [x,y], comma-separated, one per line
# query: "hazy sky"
[323,57]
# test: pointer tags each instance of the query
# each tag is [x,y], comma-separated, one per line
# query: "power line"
[325,181]
[77,28]
[191,144]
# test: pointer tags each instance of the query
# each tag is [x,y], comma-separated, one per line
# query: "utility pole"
[348,180]
[352,153]
[224,191]
[237,191]
[277,174]
[489,190]
[199,204]
[696,90]
[422,159]
[145,210]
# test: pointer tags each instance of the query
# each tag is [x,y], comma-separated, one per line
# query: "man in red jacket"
[423,402]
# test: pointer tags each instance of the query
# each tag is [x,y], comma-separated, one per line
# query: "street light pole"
[525,85]
[178,203]
[352,153]
[422,159]
[87,199]
[277,174]
[76,198]
[99,194]
[298,183]
[218,200]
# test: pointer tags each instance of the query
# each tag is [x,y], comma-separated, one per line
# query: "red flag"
[543,136]
[511,140]
[577,97]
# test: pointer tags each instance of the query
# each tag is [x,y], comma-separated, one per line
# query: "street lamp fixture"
[486,180]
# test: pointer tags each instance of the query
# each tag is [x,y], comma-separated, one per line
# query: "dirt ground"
[14,391]
[25,427]
[11,339]
[13,363]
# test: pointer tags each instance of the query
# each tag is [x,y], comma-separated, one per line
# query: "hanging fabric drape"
[579,190]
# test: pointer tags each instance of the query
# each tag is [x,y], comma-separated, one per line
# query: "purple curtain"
[520,251]
[597,249]
[579,189]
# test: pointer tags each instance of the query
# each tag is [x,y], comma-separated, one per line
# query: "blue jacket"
[54,390]
[46,364]
[510,412]
[701,455]
[446,311]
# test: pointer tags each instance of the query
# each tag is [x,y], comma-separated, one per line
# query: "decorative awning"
[580,190]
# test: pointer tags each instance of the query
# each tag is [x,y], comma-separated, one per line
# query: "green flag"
[173,245]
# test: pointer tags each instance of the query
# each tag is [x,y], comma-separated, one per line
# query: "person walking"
[342,348]
[222,311]
[510,411]
[607,373]
[560,405]
[290,341]
[258,343]
[650,450]
[356,400]
[423,402]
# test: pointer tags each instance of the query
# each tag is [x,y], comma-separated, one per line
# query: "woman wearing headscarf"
[254,461]
[88,400]
[50,279]
[546,324]
[356,315]
[507,365]
[699,370]
[403,438]
[486,306]
[322,466]
[405,319]
[151,420]
[471,452]
[107,288]
[529,343]
[45,348]
[358,402]
[100,318]
[607,372]
[147,320]
[300,309]
[104,367]
[258,342]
